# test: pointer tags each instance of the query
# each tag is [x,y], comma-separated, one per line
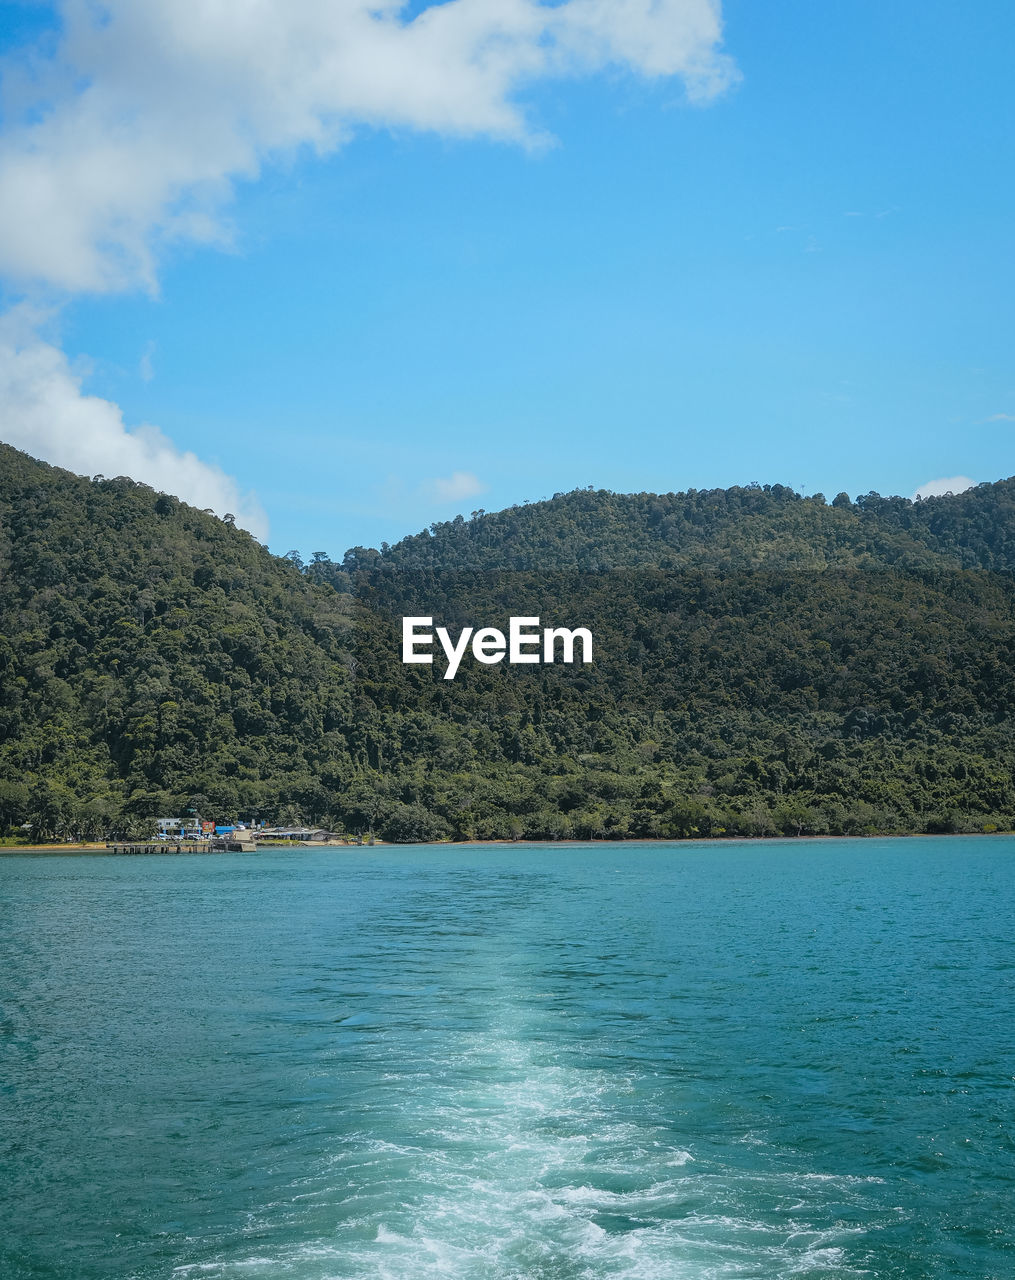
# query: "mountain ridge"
[766,663]
[784,530]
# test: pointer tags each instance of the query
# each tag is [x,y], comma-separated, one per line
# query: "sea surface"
[657,1062]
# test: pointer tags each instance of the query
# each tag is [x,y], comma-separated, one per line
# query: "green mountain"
[150,653]
[763,663]
[769,527]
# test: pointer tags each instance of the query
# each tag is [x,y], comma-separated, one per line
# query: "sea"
[686,1061]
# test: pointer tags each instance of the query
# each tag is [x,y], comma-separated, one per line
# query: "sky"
[347,268]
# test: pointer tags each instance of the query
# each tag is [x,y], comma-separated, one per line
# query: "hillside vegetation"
[764,663]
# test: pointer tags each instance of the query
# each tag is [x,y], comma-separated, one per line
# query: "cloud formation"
[45,412]
[455,487]
[948,484]
[131,134]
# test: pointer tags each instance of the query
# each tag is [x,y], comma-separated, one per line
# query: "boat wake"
[511,1159]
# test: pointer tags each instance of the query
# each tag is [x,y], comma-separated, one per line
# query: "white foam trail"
[514,1160]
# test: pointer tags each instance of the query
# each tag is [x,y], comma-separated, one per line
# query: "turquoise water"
[678,1061]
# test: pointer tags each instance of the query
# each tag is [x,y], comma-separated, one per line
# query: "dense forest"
[765,663]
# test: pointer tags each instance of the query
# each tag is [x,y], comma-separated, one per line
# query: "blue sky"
[805,278]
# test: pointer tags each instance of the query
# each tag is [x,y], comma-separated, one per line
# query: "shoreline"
[82,850]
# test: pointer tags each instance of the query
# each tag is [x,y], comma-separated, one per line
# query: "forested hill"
[149,651]
[764,663]
[740,528]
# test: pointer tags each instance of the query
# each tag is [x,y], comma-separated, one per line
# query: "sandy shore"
[60,850]
[52,848]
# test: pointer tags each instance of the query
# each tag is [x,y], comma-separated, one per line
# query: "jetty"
[156,846]
[220,844]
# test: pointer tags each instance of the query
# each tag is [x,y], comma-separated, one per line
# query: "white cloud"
[455,487]
[145,367]
[948,484]
[1001,417]
[132,133]
[44,411]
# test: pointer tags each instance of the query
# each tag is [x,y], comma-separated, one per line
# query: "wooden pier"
[159,846]
[218,844]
